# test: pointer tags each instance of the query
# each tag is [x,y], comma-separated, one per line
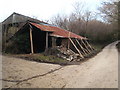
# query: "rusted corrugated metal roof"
[57,32]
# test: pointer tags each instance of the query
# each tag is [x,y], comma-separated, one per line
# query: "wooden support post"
[76,48]
[31,40]
[53,42]
[68,41]
[46,40]
[85,46]
[87,52]
[81,47]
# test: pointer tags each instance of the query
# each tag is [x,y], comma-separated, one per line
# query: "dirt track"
[98,72]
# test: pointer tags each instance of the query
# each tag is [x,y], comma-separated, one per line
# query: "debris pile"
[64,53]
[67,54]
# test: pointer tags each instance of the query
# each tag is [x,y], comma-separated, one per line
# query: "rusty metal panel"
[57,32]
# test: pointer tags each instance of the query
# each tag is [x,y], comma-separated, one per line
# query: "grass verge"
[56,60]
[43,58]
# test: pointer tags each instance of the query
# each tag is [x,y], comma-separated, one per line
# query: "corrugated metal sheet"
[57,32]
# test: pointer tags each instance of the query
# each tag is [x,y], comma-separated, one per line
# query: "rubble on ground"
[64,53]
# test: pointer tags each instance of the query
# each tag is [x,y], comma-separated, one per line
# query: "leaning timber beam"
[46,40]
[89,45]
[87,52]
[69,41]
[81,47]
[86,46]
[76,48]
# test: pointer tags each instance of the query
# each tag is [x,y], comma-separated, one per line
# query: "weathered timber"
[81,47]
[46,40]
[76,48]
[89,45]
[86,46]
[31,40]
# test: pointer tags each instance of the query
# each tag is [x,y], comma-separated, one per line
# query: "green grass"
[42,58]
[49,58]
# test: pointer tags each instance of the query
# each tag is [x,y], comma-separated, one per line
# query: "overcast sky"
[42,9]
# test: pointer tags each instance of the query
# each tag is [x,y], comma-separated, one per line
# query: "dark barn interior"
[39,40]
[58,41]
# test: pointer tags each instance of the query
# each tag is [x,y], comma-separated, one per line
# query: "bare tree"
[84,22]
[109,11]
[60,21]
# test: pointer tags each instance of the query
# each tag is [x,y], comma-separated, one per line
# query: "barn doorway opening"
[39,40]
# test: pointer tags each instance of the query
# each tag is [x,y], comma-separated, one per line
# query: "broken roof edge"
[60,36]
[56,36]
[53,35]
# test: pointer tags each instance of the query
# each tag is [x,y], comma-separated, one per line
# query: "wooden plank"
[86,46]
[89,45]
[81,47]
[86,50]
[53,42]
[69,41]
[31,41]
[76,48]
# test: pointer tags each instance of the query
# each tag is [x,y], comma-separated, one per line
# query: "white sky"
[42,9]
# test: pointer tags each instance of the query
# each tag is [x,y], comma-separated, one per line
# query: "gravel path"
[98,72]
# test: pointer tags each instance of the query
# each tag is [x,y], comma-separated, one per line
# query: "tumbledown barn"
[23,34]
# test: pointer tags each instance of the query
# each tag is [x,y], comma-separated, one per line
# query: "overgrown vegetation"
[43,58]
